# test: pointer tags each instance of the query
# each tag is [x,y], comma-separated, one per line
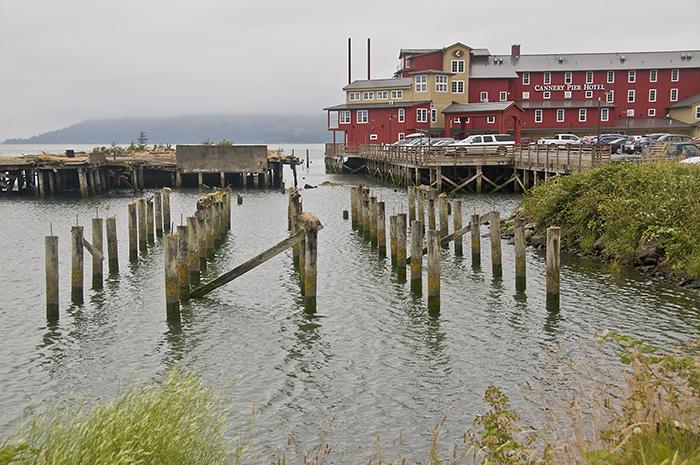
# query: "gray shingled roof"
[687,101]
[528,104]
[481,52]
[379,83]
[418,51]
[368,106]
[431,71]
[650,123]
[478,106]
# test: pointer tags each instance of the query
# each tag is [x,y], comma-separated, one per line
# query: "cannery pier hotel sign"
[568,87]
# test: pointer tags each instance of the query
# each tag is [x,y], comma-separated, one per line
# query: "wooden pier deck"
[455,168]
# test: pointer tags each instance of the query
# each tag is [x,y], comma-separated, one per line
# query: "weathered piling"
[365,216]
[381,229]
[393,234]
[239,199]
[76,276]
[133,232]
[495,233]
[143,226]
[433,271]
[476,240]
[51,251]
[193,250]
[183,267]
[442,199]
[431,211]
[97,240]
[209,222]
[401,245]
[310,272]
[457,219]
[296,208]
[353,206]
[553,263]
[373,221]
[112,248]
[416,257]
[150,221]
[411,204]
[520,248]
[172,297]
[166,209]
[158,199]
[201,239]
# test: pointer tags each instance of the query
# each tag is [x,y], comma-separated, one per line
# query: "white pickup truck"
[559,139]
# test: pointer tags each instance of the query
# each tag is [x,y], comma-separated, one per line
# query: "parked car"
[645,140]
[629,144]
[674,138]
[683,150]
[486,143]
[616,145]
[441,142]
[560,139]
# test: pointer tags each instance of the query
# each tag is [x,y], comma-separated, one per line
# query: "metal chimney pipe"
[349,60]
[368,60]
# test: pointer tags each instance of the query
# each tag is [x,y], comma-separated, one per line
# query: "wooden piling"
[172,297]
[193,250]
[310,269]
[150,220]
[476,240]
[76,264]
[442,199]
[401,245]
[495,233]
[133,232]
[553,263]
[433,271]
[112,248]
[393,234]
[373,221]
[457,219]
[183,266]
[166,209]
[158,199]
[431,212]
[416,257]
[420,213]
[51,252]
[411,204]
[381,229]
[296,208]
[143,226]
[201,239]
[365,217]
[353,206]
[97,241]
[82,181]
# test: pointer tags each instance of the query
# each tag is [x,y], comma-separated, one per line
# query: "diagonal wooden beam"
[512,179]
[94,252]
[485,178]
[465,183]
[449,181]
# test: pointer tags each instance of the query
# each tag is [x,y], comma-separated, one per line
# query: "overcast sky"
[62,61]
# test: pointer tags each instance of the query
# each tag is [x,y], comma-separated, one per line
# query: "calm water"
[372,361]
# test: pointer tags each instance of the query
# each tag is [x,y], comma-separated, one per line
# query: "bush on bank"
[624,210]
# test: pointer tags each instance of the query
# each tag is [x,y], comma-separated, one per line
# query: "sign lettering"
[568,87]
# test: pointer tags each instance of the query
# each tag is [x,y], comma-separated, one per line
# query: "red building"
[456,91]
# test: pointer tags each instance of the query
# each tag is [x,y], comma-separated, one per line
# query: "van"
[486,143]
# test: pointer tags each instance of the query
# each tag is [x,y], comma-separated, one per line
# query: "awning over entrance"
[500,111]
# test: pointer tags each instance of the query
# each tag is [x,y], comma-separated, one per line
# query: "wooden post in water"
[172,298]
[158,198]
[112,248]
[411,204]
[82,181]
[310,272]
[420,213]
[51,251]
[133,232]
[442,198]
[431,211]
[76,276]
[150,220]
[193,250]
[401,245]
[296,209]
[143,228]
[433,271]
[457,218]
[553,263]
[365,217]
[353,206]
[393,234]
[381,229]
[495,233]
[183,266]
[416,257]
[373,221]
[476,240]
[201,239]
[166,209]
[97,240]
[520,248]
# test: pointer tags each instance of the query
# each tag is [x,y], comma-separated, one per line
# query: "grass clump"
[620,207]
[177,421]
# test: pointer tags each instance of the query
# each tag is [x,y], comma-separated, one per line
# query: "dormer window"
[354,96]
[457,66]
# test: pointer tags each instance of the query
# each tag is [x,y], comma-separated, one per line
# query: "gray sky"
[62,61]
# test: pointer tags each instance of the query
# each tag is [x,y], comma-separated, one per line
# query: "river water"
[372,361]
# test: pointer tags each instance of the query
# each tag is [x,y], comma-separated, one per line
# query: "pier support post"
[381,229]
[112,248]
[444,231]
[479,175]
[91,181]
[411,204]
[158,199]
[373,221]
[296,208]
[82,180]
[51,246]
[353,206]
[365,216]
[178,179]
[433,271]
[520,248]
[41,182]
[495,233]
[310,275]
[97,262]
[150,220]
[393,234]
[420,214]
[416,257]
[201,239]
[133,232]
[457,219]
[172,299]
[431,211]
[193,250]
[476,240]
[143,243]
[200,180]
[401,246]
[166,209]
[52,182]
[553,263]
[76,276]
[183,267]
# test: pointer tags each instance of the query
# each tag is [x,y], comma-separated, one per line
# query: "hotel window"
[674,95]
[697,112]
[546,95]
[526,79]
[630,96]
[526,95]
[610,96]
[582,113]
[433,115]
[421,83]
[396,94]
[560,115]
[652,95]
[373,137]
[367,95]
[344,117]
[354,96]
[422,115]
[651,112]
[567,77]
[402,115]
[490,119]
[567,94]
[538,116]
[604,114]
[440,83]
[382,95]
[457,66]
[674,75]
[589,94]
[547,78]
[361,116]
[402,135]
[631,76]
[611,77]
[456,120]
[503,96]
[652,75]
[589,77]
[484,96]
[457,87]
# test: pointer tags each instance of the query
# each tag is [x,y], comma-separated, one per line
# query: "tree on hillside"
[142,139]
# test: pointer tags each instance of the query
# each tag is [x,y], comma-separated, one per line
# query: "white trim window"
[421,115]
[402,115]
[402,135]
[422,83]
[675,75]
[382,95]
[697,112]
[440,83]
[652,95]
[611,77]
[483,96]
[457,66]
[582,114]
[567,94]
[353,96]
[651,112]
[631,76]
[457,87]
[396,94]
[345,117]
[610,96]
[503,96]
[373,137]
[547,77]
[538,116]
[653,75]
[490,119]
[568,77]
[456,121]
[604,114]
[589,77]
[367,95]
[433,115]
[526,95]
[674,95]
[589,94]
[631,96]
[526,79]
[560,115]
[362,117]
[546,95]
